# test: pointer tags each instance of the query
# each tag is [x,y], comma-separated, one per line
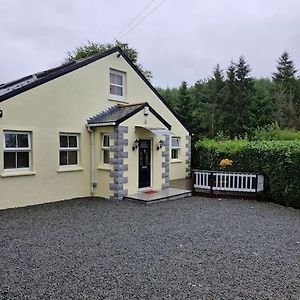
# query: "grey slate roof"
[116,114]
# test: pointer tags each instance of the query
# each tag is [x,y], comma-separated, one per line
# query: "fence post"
[256,184]
[211,182]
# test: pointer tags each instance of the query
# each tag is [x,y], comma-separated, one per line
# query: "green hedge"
[278,161]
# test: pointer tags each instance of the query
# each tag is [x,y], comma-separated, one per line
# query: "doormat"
[150,192]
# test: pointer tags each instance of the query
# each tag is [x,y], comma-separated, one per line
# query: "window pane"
[174,154]
[175,143]
[106,156]
[105,140]
[72,157]
[116,90]
[116,79]
[22,140]
[73,141]
[63,141]
[10,140]
[63,158]
[23,159]
[9,160]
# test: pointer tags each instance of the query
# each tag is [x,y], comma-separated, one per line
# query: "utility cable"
[151,11]
[135,18]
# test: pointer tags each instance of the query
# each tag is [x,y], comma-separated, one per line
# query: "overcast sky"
[180,40]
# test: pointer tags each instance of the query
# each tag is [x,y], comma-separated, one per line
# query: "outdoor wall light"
[146,111]
[135,145]
[159,145]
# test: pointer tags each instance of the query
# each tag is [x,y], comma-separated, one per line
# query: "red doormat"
[150,192]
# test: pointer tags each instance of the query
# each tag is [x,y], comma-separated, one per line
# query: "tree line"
[233,103]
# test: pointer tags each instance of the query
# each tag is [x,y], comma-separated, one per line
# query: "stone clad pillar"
[166,162]
[118,154]
[188,156]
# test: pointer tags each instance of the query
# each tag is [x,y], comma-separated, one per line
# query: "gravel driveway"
[195,248]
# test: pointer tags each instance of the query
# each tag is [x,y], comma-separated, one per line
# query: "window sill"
[69,169]
[118,100]
[104,167]
[174,161]
[16,173]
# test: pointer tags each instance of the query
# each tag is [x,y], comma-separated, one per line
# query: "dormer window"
[117,85]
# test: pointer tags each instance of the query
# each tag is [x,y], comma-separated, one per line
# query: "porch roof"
[117,114]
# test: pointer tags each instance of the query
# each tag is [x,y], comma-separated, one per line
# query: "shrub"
[278,161]
[274,132]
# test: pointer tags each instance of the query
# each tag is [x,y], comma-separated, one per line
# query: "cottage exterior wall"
[63,105]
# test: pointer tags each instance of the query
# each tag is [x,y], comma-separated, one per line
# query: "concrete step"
[159,196]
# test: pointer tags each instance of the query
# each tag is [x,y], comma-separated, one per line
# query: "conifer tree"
[215,87]
[286,71]
[239,92]
[228,101]
[287,109]
[184,107]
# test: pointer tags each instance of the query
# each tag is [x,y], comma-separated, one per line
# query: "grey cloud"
[182,40]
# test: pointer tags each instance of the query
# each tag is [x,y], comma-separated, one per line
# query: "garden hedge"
[278,161]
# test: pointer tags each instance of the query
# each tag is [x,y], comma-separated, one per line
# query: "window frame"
[18,149]
[113,96]
[176,148]
[105,148]
[69,149]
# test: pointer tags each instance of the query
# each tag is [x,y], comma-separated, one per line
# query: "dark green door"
[144,163]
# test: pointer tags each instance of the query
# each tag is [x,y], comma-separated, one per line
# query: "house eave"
[101,124]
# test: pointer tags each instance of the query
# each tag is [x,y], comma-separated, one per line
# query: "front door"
[144,163]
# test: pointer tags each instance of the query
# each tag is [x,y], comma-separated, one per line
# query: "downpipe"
[93,182]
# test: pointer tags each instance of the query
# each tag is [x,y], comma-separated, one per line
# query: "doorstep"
[151,196]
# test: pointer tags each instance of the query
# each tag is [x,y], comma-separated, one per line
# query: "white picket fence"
[229,181]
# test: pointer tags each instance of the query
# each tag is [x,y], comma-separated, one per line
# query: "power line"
[132,21]
[151,11]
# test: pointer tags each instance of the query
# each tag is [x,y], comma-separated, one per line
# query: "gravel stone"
[195,248]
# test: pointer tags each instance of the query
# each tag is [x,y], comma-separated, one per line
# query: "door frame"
[151,167]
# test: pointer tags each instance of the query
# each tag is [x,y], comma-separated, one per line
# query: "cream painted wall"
[63,105]
[102,171]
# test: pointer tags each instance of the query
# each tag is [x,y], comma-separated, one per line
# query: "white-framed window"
[68,149]
[105,148]
[17,150]
[117,81]
[175,148]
